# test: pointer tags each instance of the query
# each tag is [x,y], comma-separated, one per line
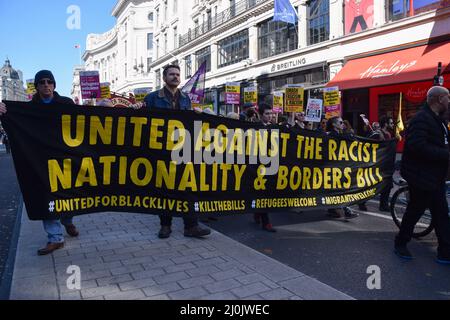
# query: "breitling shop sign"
[289,64]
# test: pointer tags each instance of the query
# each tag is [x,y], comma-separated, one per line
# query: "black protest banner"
[74,160]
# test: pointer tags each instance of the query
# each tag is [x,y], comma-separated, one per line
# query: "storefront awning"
[408,65]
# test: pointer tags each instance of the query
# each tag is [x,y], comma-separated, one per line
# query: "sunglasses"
[44,81]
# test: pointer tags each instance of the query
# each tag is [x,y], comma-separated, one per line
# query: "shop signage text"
[288,65]
[382,70]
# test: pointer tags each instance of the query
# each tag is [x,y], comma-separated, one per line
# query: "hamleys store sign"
[383,69]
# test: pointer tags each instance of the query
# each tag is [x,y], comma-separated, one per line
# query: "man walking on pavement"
[170,97]
[45,85]
[424,167]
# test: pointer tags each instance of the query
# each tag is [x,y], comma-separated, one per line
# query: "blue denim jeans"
[54,229]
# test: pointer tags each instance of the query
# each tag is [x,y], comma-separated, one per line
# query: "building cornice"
[242,18]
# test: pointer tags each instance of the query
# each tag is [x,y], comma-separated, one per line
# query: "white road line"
[370,213]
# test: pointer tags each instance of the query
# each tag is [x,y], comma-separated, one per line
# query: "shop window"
[318,21]
[399,9]
[233,49]
[187,66]
[388,105]
[203,55]
[157,79]
[275,37]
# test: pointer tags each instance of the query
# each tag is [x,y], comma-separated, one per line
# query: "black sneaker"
[164,232]
[349,214]
[403,252]
[196,232]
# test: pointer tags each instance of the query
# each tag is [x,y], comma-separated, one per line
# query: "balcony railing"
[218,19]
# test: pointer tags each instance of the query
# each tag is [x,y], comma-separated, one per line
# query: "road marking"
[370,213]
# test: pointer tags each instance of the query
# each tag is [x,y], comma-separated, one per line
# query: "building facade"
[122,55]
[76,88]
[241,43]
[11,83]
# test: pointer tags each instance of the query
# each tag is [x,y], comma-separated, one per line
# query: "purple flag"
[195,87]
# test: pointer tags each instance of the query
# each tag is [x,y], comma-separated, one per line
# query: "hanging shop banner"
[358,15]
[332,102]
[233,93]
[158,161]
[105,90]
[140,93]
[90,84]
[313,110]
[294,98]
[251,95]
[278,102]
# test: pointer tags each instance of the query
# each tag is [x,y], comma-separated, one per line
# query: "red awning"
[408,65]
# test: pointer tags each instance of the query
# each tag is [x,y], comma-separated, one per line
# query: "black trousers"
[263,216]
[384,196]
[189,222]
[420,200]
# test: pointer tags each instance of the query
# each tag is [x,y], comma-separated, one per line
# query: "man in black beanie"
[45,85]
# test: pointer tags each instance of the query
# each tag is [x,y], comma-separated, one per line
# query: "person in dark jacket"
[265,114]
[424,167]
[170,97]
[335,128]
[45,85]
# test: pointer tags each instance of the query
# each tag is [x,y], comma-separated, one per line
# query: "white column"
[336,19]
[214,57]
[335,67]
[379,15]
[253,43]
[302,26]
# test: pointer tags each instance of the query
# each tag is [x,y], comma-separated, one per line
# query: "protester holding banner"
[424,167]
[323,125]
[248,113]
[387,127]
[45,85]
[348,128]
[265,113]
[300,120]
[335,128]
[170,97]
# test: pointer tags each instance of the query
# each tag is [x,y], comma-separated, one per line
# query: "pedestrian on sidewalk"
[170,97]
[45,85]
[424,166]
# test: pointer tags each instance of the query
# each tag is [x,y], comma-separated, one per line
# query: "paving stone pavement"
[121,258]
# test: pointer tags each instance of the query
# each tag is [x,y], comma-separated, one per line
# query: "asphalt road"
[10,199]
[339,253]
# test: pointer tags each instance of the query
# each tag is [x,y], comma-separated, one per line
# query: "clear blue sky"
[34,35]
